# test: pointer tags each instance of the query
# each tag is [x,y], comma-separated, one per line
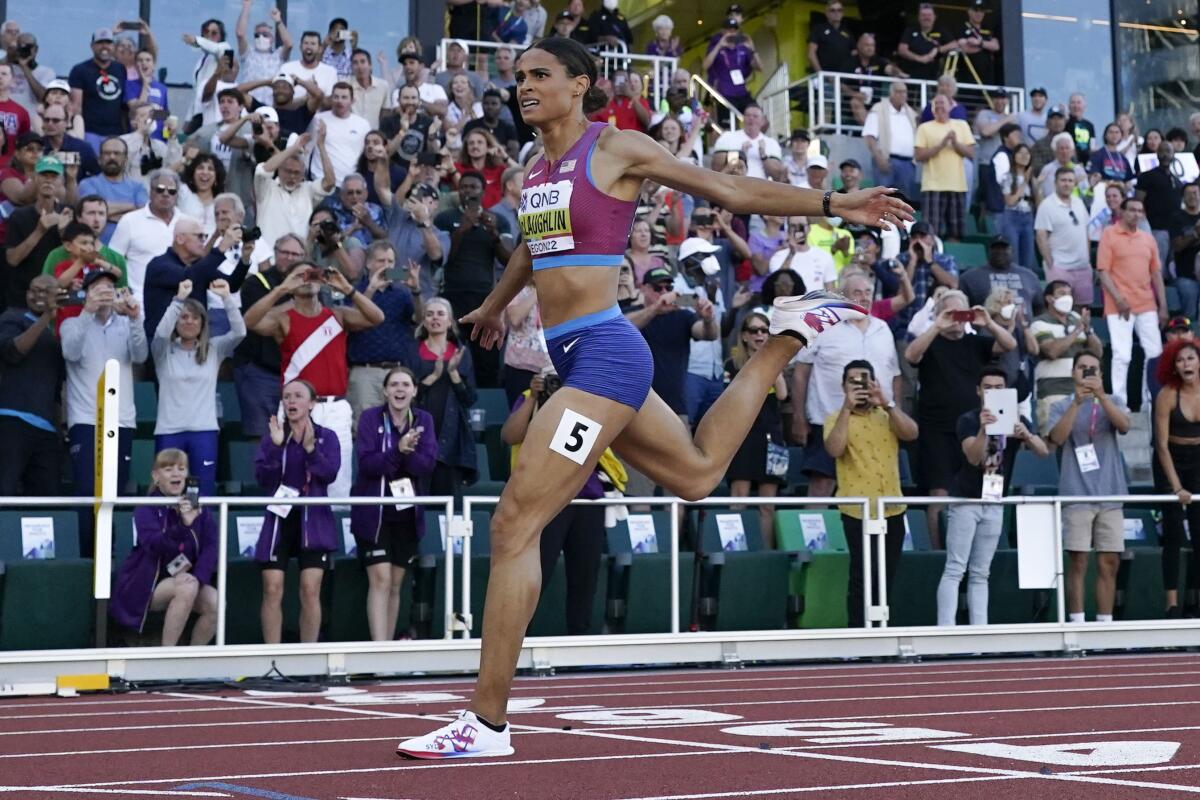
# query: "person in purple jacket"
[299,460]
[397,451]
[171,567]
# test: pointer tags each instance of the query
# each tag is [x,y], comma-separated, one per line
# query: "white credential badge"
[575,436]
[545,218]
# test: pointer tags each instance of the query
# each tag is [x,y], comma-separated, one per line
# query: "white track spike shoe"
[465,737]
[806,317]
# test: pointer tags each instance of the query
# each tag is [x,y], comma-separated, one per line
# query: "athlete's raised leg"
[657,444]
[542,483]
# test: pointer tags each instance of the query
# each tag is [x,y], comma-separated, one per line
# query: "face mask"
[610,5]
[1064,304]
[835,222]
[1007,312]
[262,43]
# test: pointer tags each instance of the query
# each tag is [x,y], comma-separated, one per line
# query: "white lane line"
[364,701]
[74,790]
[179,726]
[843,787]
[726,723]
[179,747]
[127,713]
[633,727]
[794,673]
[920,715]
[416,765]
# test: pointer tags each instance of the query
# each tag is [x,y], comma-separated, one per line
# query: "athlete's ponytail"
[594,100]
[576,59]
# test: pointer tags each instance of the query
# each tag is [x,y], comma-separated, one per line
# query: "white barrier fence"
[453,655]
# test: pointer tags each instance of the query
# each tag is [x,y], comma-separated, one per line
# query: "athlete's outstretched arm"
[640,157]
[488,319]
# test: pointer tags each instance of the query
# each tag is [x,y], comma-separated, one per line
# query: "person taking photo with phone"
[312,343]
[948,357]
[174,561]
[863,438]
[1086,425]
[396,447]
[375,352]
[973,529]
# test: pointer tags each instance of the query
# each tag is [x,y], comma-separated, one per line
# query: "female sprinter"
[576,210]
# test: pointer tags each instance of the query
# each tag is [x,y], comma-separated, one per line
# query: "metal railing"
[700,88]
[674,505]
[461,653]
[656,70]
[828,97]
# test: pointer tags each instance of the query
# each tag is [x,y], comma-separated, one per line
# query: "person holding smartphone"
[863,438]
[948,358]
[173,563]
[396,447]
[1086,425]
[375,352]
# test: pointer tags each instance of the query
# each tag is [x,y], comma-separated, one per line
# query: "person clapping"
[397,450]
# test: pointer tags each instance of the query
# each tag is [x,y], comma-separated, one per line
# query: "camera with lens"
[151,162]
[25,51]
[551,383]
[327,232]
[251,234]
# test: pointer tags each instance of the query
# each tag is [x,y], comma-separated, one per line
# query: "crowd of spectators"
[312,229]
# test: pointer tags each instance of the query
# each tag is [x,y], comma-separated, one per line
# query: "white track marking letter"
[575,437]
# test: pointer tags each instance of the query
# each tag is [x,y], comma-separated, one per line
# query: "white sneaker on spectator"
[806,317]
[466,737]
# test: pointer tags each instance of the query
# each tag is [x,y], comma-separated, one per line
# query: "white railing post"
[222,568]
[868,587]
[1060,589]
[673,508]
[448,565]
[468,532]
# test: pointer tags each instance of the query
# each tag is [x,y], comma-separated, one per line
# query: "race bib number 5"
[545,218]
[575,437]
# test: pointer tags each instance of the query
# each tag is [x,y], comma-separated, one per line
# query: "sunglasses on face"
[756,329]
[798,228]
[661,287]
[171,190]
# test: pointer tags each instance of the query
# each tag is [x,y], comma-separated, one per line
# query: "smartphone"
[860,382]
[130,25]
[966,315]
[397,274]
[344,36]
[192,492]
[159,114]
[1089,372]
[314,274]
[685,300]
[68,157]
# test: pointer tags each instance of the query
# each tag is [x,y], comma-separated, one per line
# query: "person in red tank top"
[312,346]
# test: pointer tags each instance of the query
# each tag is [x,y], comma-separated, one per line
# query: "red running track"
[1094,728]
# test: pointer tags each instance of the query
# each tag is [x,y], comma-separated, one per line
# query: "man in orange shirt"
[1134,296]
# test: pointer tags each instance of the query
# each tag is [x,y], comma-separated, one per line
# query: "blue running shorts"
[603,354]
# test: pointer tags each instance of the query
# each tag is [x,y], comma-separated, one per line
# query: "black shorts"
[397,543]
[817,460]
[288,545]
